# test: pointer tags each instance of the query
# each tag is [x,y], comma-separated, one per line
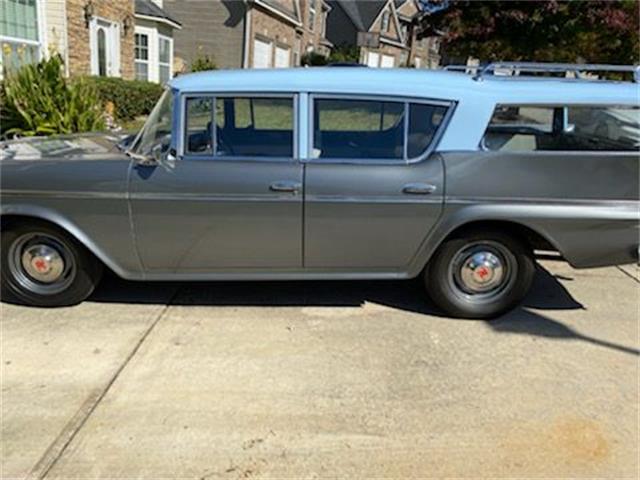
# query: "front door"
[105,48]
[232,202]
[373,191]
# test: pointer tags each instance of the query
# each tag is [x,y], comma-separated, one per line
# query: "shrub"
[313,59]
[38,100]
[130,98]
[203,62]
[345,53]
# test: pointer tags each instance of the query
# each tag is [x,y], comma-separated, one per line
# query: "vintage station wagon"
[335,173]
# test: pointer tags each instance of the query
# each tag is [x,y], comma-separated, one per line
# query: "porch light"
[89,11]
[127,24]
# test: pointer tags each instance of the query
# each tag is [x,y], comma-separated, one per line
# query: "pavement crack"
[635,279]
[57,448]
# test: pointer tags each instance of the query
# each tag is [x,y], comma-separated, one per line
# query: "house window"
[385,22]
[165,45]
[19,33]
[312,13]
[142,56]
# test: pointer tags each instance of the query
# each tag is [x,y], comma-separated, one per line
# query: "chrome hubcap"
[481,272]
[40,263]
[43,263]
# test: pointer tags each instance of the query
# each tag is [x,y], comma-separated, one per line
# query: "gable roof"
[362,12]
[147,8]
[280,9]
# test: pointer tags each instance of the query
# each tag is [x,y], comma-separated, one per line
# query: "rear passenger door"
[373,190]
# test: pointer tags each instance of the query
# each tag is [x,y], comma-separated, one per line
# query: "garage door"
[261,54]
[283,57]
[373,59]
[388,61]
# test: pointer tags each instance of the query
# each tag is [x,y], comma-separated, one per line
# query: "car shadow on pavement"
[547,293]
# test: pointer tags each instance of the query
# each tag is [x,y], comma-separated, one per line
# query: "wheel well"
[530,237]
[6,221]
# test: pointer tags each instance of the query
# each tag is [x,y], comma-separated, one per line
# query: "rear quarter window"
[568,128]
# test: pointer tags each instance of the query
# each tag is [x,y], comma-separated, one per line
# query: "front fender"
[123,261]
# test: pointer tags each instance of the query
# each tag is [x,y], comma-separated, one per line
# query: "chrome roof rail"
[535,67]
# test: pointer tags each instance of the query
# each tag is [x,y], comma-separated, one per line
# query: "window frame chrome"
[184,154]
[450,106]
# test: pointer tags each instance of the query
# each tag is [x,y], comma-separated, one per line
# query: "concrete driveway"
[338,379]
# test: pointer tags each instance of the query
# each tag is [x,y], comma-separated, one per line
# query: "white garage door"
[388,61]
[373,59]
[261,54]
[283,57]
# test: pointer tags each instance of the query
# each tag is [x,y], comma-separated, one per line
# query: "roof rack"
[531,67]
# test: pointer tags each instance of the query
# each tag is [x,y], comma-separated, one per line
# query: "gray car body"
[195,219]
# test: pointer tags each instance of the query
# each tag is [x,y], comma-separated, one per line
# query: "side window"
[198,118]
[603,128]
[424,121]
[571,128]
[373,129]
[358,129]
[254,127]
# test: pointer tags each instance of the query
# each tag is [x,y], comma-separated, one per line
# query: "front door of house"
[105,48]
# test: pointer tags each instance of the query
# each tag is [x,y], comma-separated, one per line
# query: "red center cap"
[483,272]
[40,265]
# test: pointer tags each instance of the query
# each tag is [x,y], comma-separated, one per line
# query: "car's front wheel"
[480,274]
[43,266]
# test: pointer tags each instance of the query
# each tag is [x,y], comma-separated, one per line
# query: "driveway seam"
[628,274]
[59,446]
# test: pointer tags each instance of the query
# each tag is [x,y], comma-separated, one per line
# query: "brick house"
[95,37]
[383,31]
[249,33]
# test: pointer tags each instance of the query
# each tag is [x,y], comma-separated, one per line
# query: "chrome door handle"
[418,188]
[285,186]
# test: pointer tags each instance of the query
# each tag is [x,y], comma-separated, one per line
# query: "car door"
[232,199]
[373,190]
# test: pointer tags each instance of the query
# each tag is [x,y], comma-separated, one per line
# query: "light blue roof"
[409,82]
[476,99]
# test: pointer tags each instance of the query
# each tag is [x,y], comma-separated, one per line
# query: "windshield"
[157,128]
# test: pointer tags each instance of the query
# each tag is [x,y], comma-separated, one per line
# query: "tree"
[595,31]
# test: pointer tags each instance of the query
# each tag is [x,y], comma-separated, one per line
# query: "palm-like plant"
[39,100]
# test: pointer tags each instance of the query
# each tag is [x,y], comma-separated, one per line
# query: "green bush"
[313,59]
[38,100]
[203,62]
[345,53]
[130,98]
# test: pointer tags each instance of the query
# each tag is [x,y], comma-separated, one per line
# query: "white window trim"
[271,54]
[170,64]
[154,38]
[315,13]
[148,60]
[41,20]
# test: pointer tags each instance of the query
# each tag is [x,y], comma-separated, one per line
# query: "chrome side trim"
[197,197]
[63,194]
[373,199]
[542,201]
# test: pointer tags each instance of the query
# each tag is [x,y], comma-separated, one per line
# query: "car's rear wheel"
[43,266]
[480,274]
